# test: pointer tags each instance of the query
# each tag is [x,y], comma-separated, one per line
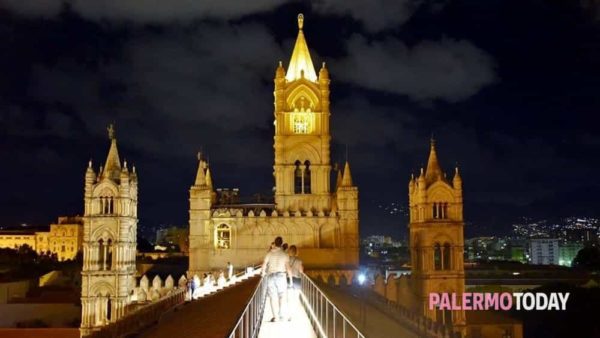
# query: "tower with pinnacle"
[109,240]
[436,238]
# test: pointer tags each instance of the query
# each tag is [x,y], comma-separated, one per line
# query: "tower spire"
[112,167]
[347,178]
[301,65]
[209,182]
[200,175]
[433,171]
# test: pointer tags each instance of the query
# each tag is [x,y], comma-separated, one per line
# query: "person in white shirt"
[229,270]
[275,267]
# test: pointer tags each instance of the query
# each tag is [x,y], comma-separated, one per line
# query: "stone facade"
[321,223]
[109,241]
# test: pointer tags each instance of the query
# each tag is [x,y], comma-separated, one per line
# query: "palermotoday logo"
[473,301]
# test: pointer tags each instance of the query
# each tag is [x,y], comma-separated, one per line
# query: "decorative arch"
[302,152]
[440,191]
[103,232]
[328,235]
[299,91]
[106,187]
[102,288]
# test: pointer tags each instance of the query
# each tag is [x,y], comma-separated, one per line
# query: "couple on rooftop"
[282,269]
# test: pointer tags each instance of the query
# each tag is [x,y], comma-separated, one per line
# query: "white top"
[296,266]
[276,261]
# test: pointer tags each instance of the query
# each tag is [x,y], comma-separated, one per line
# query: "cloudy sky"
[509,88]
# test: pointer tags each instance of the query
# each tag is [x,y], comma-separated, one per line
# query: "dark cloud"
[142,11]
[375,15]
[448,69]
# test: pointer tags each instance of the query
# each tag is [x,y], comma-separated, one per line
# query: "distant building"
[13,239]
[63,239]
[544,251]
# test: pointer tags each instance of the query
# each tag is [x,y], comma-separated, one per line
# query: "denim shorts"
[276,283]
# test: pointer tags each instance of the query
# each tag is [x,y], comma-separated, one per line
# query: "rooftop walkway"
[212,316]
[298,327]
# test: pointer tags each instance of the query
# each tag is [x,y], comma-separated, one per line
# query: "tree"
[588,258]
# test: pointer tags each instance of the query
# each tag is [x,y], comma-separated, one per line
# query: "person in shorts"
[276,269]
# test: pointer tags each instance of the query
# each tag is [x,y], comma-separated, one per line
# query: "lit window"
[223,235]
[301,123]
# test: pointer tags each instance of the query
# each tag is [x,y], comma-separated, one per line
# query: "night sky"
[508,88]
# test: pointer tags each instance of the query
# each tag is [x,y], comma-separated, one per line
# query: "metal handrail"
[248,324]
[326,318]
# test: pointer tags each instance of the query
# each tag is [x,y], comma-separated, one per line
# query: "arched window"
[306,177]
[298,178]
[223,239]
[447,257]
[437,257]
[435,210]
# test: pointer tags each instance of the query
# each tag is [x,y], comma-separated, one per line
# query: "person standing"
[296,267]
[229,270]
[276,268]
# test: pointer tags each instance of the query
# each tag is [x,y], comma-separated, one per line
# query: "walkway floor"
[368,319]
[210,317]
[298,327]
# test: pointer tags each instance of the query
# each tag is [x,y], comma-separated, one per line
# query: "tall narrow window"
[109,255]
[419,261]
[437,257]
[447,261]
[223,239]
[298,178]
[306,177]
[435,210]
[101,254]
[108,309]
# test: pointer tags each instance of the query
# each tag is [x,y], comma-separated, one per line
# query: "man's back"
[276,261]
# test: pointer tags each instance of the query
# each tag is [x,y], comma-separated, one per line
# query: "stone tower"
[436,238]
[109,241]
[302,168]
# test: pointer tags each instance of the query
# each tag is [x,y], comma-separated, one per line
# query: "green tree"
[588,258]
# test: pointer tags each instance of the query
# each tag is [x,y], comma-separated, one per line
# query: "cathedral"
[322,222]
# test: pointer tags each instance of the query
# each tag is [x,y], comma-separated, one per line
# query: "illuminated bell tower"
[436,239]
[302,166]
[109,241]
